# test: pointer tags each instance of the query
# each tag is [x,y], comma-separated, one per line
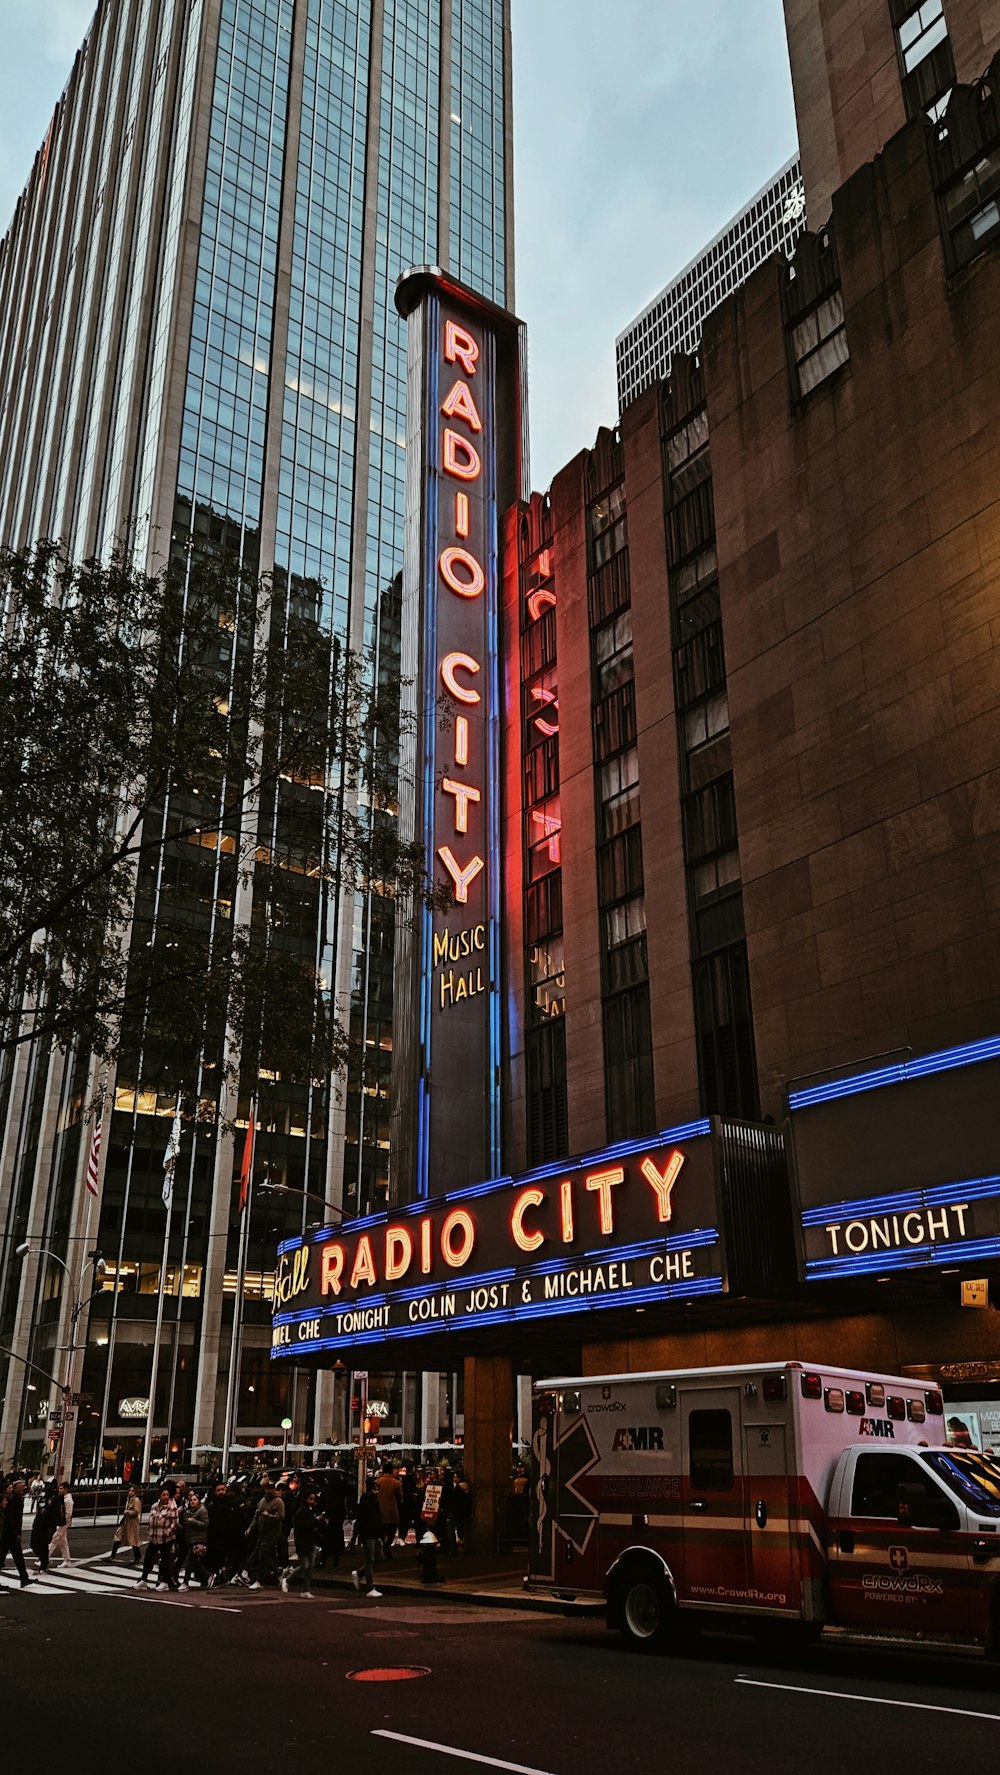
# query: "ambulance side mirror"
[914,1509]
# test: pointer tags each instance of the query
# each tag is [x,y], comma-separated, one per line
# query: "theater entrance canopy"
[512,1265]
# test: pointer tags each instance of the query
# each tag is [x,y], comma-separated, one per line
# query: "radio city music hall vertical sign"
[464,454]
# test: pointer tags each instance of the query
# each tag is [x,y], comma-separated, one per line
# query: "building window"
[606,527]
[547,979]
[927,64]
[618,788]
[715,878]
[544,828]
[726,1061]
[705,721]
[688,460]
[543,913]
[971,212]
[710,820]
[628,1064]
[626,959]
[545,1086]
[695,590]
[819,343]
[614,721]
[920,31]
[700,665]
[613,664]
[619,867]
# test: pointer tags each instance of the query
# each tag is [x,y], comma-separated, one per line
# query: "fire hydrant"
[427,1548]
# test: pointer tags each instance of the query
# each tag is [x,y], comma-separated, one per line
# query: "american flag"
[93,1160]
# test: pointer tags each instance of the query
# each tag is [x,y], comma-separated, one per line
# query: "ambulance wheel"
[645,1609]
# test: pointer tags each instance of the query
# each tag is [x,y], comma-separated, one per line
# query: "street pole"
[147,1442]
[363,1428]
[169,1168]
[51,1379]
[236,1346]
[65,1387]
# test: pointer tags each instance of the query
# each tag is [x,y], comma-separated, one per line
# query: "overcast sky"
[640,127]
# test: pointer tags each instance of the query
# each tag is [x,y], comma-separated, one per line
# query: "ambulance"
[784,1493]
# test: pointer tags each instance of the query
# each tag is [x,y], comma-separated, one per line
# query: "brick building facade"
[771,626]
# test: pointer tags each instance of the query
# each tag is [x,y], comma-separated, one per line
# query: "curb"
[539,1605]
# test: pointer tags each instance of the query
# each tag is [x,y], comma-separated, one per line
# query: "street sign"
[977,1293]
[55,1417]
[83,1398]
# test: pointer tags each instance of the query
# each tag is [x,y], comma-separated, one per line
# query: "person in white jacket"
[60,1542]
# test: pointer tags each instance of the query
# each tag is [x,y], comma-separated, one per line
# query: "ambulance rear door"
[772,1569]
[712,1514]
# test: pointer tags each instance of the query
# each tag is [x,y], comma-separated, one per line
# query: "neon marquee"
[637,1222]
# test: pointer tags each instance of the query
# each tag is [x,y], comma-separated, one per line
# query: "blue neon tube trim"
[506,1315]
[975,1189]
[491,1185]
[701,1239]
[914,1257]
[945,1060]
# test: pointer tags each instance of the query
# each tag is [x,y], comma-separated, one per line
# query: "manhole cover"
[388,1673]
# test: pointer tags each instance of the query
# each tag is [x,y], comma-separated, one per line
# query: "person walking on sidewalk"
[226,1541]
[43,1527]
[11,1524]
[268,1523]
[390,1498]
[368,1533]
[160,1546]
[195,1541]
[64,1517]
[306,1526]
[127,1534]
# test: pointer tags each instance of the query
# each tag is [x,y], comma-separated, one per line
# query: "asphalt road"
[240,1681]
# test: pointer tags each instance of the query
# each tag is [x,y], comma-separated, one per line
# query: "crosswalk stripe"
[53,1586]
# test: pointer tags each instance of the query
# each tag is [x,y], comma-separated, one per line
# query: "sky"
[640,127]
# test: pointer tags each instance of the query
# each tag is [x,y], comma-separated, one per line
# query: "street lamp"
[99,1266]
[308,1195]
[286,1424]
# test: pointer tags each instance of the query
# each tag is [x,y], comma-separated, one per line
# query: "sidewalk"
[494,1580]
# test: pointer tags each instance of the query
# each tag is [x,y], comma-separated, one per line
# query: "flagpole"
[236,1343]
[169,1165]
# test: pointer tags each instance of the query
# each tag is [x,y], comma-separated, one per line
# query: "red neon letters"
[545,1213]
[464,577]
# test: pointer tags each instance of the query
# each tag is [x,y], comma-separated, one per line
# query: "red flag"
[246,1167]
[92,1162]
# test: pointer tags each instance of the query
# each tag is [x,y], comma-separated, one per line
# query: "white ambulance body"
[787,1491]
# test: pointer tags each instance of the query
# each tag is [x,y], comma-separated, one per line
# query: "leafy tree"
[188,767]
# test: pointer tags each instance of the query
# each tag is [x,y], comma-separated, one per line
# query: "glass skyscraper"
[198,340]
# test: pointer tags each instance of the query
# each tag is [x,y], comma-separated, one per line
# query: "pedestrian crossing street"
[95,1577]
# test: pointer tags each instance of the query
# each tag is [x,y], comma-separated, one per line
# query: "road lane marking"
[449,1750]
[877,1700]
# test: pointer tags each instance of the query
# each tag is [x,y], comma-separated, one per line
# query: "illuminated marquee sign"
[462,456]
[898,1168]
[633,1225]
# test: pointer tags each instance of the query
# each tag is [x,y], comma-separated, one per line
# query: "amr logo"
[647,1436]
